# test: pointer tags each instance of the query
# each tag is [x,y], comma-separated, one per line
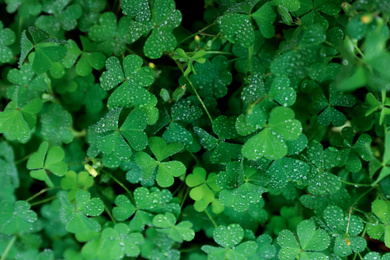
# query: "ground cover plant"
[215,129]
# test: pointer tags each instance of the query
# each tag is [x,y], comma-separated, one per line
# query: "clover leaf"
[124,208]
[237,28]
[75,216]
[16,217]
[321,180]
[345,231]
[240,187]
[131,81]
[47,51]
[212,77]
[56,124]
[352,152]
[325,107]
[310,243]
[165,170]
[45,160]
[265,249]
[7,37]
[8,172]
[270,142]
[115,243]
[160,18]
[376,228]
[74,182]
[89,58]
[112,37]
[18,121]
[265,17]
[230,238]
[203,190]
[376,256]
[25,8]
[116,142]
[167,224]
[25,77]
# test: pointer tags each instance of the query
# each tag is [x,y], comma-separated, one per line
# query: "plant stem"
[37,194]
[43,201]
[123,186]
[193,156]
[8,248]
[196,92]
[361,196]
[184,198]
[23,159]
[356,184]
[109,213]
[211,218]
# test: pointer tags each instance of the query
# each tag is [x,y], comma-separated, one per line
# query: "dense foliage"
[219,129]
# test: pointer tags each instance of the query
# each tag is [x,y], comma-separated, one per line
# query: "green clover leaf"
[131,81]
[375,228]
[265,17]
[212,77]
[239,187]
[25,8]
[237,28]
[325,107]
[167,224]
[116,142]
[229,238]
[45,160]
[25,77]
[124,208]
[16,217]
[47,51]
[352,152]
[161,18]
[89,58]
[165,170]
[345,231]
[73,182]
[76,216]
[270,142]
[7,37]
[8,172]
[17,122]
[203,190]
[56,124]
[264,248]
[112,37]
[310,239]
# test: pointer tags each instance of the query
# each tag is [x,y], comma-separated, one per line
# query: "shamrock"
[7,37]
[18,120]
[89,58]
[76,216]
[311,242]
[345,231]
[222,151]
[229,238]
[270,142]
[203,190]
[25,77]
[167,224]
[26,8]
[115,243]
[237,28]
[375,164]
[240,187]
[375,228]
[212,77]
[112,37]
[16,217]
[165,170]
[55,125]
[47,50]
[160,18]
[74,182]
[45,160]
[131,81]
[352,152]
[325,107]
[8,172]
[116,142]
[265,17]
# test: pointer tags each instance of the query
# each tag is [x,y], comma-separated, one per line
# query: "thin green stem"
[194,89]
[109,213]
[184,198]
[8,248]
[37,194]
[43,201]
[194,34]
[123,186]
[193,156]
[361,196]
[211,218]
[356,184]
[23,159]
